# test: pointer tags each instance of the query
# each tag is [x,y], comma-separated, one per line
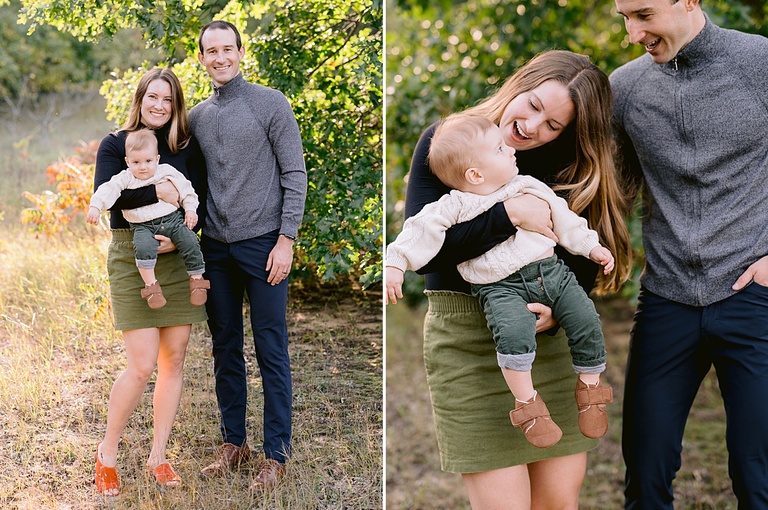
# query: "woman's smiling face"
[537,117]
[157,104]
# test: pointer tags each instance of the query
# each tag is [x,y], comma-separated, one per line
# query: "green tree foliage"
[51,61]
[45,63]
[446,56]
[326,56]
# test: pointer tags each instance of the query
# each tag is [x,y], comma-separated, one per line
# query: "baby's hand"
[93,215]
[393,278]
[190,219]
[602,256]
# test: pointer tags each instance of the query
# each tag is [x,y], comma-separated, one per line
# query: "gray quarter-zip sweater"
[697,128]
[257,181]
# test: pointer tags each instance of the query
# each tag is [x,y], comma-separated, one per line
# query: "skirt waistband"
[122,234]
[446,301]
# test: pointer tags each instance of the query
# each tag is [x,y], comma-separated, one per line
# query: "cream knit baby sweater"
[423,234]
[107,194]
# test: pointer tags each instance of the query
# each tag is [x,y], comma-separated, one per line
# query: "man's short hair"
[219,24]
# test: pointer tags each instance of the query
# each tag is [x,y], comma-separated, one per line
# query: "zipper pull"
[674,61]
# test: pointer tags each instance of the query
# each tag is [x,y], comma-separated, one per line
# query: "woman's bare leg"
[552,484]
[141,348]
[556,483]
[499,489]
[170,380]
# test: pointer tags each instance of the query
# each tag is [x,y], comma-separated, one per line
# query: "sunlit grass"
[59,355]
[27,147]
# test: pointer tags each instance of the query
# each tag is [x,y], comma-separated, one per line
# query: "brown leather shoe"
[269,476]
[536,423]
[229,457]
[591,400]
[154,295]
[198,291]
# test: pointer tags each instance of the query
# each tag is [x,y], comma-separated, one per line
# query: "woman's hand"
[166,245]
[544,319]
[531,213]
[167,192]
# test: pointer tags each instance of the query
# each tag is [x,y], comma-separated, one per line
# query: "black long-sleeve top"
[110,160]
[471,239]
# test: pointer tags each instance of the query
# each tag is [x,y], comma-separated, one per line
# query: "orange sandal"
[165,476]
[106,479]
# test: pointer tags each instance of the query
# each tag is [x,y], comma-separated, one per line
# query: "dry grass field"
[59,356]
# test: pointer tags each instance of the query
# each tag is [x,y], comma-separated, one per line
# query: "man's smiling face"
[663,27]
[221,56]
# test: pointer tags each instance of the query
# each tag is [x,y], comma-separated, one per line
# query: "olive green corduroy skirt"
[470,399]
[131,311]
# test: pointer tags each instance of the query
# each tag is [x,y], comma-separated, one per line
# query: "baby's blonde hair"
[140,140]
[453,147]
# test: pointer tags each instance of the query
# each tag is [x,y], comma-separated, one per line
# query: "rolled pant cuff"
[519,362]
[598,369]
[146,263]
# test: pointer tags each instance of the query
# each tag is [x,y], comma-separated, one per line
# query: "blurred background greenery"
[445,56]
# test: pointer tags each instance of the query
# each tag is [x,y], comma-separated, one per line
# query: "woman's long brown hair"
[590,180]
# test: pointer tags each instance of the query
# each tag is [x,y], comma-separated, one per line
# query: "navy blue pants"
[234,269]
[672,349]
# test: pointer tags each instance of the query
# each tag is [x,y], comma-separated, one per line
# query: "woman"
[555,112]
[152,337]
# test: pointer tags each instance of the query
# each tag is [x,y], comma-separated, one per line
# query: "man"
[691,117]
[256,189]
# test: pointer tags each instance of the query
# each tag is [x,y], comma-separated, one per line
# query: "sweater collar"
[230,89]
[700,52]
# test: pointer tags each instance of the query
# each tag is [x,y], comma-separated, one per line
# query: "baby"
[468,154]
[143,160]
